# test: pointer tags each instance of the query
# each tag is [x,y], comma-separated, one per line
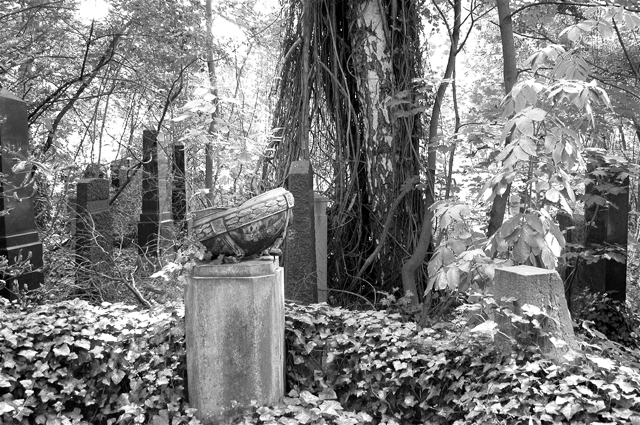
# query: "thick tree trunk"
[510,71]
[375,84]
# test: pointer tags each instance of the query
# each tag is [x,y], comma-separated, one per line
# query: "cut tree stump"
[541,288]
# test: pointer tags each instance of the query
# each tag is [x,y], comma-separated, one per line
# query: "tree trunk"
[510,72]
[422,249]
[209,149]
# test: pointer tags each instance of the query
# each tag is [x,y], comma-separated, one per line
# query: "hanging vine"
[365,114]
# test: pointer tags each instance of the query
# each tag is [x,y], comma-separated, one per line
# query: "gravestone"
[300,275]
[543,289]
[610,226]
[320,221]
[155,228]
[234,334]
[18,232]
[178,188]
[94,239]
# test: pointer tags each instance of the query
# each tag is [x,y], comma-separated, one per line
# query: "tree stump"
[540,288]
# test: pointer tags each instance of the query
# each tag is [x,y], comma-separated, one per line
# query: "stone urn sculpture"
[245,230]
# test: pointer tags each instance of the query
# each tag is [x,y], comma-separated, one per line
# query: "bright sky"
[93,9]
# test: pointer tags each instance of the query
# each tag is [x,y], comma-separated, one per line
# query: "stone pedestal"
[541,288]
[94,227]
[155,228]
[234,321]
[18,232]
[320,221]
[300,246]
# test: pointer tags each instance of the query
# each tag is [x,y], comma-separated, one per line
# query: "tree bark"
[510,71]
[419,254]
[209,151]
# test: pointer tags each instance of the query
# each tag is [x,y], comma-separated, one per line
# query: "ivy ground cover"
[73,362]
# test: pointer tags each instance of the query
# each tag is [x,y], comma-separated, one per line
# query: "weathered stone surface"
[300,246]
[18,233]
[541,288]
[601,225]
[320,222]
[155,228]
[178,188]
[234,321]
[247,229]
[94,227]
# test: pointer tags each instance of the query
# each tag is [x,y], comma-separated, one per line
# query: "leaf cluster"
[399,374]
[73,362]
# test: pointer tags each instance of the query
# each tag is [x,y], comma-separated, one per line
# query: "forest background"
[420,120]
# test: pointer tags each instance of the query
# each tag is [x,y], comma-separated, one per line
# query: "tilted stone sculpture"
[245,230]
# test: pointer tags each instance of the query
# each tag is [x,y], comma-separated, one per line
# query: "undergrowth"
[73,362]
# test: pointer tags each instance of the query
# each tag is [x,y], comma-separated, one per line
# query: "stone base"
[234,321]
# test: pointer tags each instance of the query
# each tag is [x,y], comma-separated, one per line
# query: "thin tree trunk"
[418,256]
[304,86]
[209,151]
[510,72]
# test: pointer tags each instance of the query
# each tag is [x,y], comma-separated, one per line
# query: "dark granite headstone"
[610,225]
[18,233]
[155,228]
[300,273]
[94,239]
[178,188]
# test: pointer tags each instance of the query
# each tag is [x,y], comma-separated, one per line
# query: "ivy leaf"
[63,350]
[28,354]
[308,398]
[601,362]
[4,381]
[330,408]
[5,408]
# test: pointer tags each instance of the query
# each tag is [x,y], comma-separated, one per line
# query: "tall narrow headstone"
[300,273]
[94,239]
[155,225]
[610,225]
[320,209]
[178,188]
[18,232]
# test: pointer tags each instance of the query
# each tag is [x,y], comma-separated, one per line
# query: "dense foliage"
[72,362]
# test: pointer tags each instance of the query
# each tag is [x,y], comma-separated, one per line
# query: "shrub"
[72,362]
[610,317]
[445,374]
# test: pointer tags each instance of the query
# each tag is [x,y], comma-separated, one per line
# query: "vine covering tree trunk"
[365,127]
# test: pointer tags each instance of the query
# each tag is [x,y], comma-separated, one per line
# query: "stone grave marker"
[155,228]
[18,232]
[300,275]
[94,239]
[234,332]
[320,221]
[178,188]
[602,225]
